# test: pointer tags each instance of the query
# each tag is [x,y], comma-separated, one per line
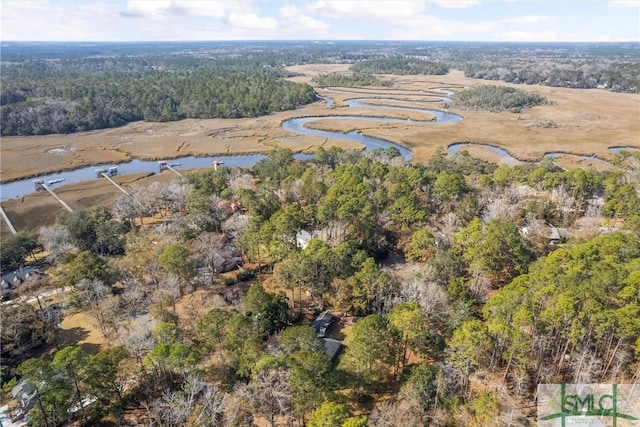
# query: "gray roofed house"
[331,347]
[24,393]
[13,279]
[558,234]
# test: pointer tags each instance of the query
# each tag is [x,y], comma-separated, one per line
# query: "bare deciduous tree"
[166,411]
[238,412]
[396,413]
[500,209]
[56,240]
[126,207]
[210,251]
[239,179]
[235,225]
[425,292]
[134,299]
[175,195]
[270,395]
[150,199]
[565,203]
[448,226]
[138,343]
[207,402]
[169,289]
[480,284]
[92,291]
[592,220]
[586,366]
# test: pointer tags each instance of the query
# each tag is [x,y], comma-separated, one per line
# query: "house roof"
[302,238]
[12,279]
[559,233]
[323,322]
[331,347]
[19,276]
[326,316]
[23,392]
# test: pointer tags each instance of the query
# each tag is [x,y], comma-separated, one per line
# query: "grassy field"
[577,121]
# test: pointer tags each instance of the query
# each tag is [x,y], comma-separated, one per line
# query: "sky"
[430,20]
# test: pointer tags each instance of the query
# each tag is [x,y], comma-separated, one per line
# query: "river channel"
[23,187]
[17,189]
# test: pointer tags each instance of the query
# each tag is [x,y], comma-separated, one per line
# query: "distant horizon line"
[320,41]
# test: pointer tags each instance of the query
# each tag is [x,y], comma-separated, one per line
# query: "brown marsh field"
[576,121]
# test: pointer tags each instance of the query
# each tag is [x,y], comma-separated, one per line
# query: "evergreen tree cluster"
[350,80]
[400,66]
[67,101]
[437,287]
[496,99]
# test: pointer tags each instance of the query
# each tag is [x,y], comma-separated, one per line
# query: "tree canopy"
[401,66]
[496,98]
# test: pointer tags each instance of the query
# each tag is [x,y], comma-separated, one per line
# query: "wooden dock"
[6,219]
[62,202]
[115,183]
[174,171]
[164,165]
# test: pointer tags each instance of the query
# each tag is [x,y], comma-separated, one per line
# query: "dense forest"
[350,80]
[63,88]
[400,66]
[496,99]
[454,303]
[66,102]
[617,77]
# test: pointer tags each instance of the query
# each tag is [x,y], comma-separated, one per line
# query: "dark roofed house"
[323,323]
[331,347]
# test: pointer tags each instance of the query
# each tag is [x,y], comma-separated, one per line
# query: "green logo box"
[588,405]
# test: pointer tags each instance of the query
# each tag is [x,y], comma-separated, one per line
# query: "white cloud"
[290,12]
[388,10]
[202,8]
[409,20]
[45,20]
[455,4]
[153,9]
[162,9]
[296,21]
[627,3]
[430,27]
[528,19]
[599,38]
[95,20]
[252,21]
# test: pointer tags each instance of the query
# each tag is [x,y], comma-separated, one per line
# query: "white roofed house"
[303,237]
